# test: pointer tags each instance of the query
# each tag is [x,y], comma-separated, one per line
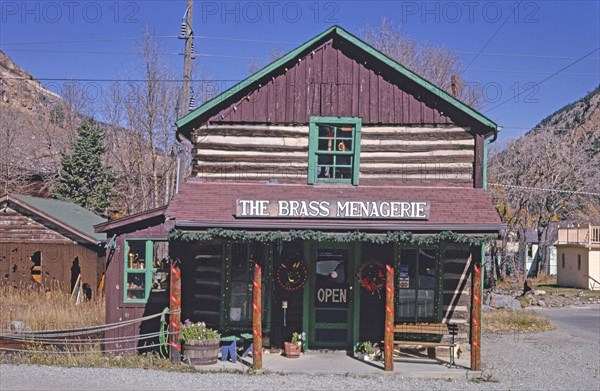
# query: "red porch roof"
[202,204]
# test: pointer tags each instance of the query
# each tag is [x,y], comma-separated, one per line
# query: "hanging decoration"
[371,276]
[291,276]
[320,236]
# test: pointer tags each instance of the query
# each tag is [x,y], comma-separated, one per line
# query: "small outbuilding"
[578,251]
[49,242]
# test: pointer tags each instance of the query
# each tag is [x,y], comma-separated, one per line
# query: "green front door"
[331,296]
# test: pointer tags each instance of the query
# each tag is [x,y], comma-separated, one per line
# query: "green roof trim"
[291,56]
[73,215]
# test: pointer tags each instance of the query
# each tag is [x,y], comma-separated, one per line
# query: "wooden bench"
[427,335]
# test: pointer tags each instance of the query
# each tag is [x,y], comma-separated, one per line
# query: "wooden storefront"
[323,168]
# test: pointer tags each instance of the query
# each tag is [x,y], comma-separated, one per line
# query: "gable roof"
[292,56]
[77,221]
[136,218]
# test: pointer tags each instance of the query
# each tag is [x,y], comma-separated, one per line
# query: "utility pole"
[186,34]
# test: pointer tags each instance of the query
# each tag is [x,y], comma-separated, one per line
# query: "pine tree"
[84,179]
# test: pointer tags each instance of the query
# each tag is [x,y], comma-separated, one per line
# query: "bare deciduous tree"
[142,136]
[435,63]
[561,166]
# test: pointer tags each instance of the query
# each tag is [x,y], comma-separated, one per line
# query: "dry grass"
[46,310]
[95,359]
[503,321]
[568,292]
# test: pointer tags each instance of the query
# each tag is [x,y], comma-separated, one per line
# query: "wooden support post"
[257,317]
[388,339]
[476,294]
[175,317]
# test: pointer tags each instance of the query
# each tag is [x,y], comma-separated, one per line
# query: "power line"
[207,55]
[134,53]
[265,41]
[494,35]
[118,80]
[545,189]
[519,55]
[545,79]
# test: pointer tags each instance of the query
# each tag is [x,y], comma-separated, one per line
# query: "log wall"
[394,153]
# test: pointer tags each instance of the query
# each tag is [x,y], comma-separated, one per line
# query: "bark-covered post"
[175,315]
[388,339]
[476,293]
[257,317]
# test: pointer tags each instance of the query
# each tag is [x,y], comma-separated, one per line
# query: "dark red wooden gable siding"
[337,80]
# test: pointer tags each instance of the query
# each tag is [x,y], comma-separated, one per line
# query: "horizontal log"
[413,136]
[418,159]
[301,132]
[414,129]
[415,147]
[420,142]
[251,127]
[261,148]
[252,168]
[415,170]
[457,179]
[426,135]
[252,142]
[257,155]
[464,177]
[268,158]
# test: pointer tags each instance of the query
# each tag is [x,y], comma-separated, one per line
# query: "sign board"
[328,209]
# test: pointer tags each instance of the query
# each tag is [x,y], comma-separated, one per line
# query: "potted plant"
[365,351]
[293,348]
[200,343]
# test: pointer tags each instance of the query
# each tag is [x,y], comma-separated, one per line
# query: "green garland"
[320,236]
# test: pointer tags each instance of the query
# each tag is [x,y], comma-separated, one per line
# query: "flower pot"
[201,352]
[363,357]
[292,350]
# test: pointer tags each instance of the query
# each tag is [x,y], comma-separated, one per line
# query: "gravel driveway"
[554,360]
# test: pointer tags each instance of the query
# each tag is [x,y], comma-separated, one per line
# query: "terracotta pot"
[292,350]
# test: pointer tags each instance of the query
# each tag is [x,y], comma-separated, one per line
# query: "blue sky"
[520,42]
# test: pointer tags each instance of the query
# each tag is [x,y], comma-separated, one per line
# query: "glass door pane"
[331,298]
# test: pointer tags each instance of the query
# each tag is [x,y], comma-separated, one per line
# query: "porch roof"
[202,204]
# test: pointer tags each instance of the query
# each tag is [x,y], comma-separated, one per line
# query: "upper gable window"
[334,150]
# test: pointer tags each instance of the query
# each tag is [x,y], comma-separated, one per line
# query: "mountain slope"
[580,119]
[35,127]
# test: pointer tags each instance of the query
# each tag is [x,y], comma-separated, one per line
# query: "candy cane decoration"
[388,352]
[175,316]
[476,313]
[257,317]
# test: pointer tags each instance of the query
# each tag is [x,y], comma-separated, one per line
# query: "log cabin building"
[324,167]
[49,243]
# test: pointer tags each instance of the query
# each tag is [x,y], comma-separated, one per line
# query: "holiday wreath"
[291,276]
[371,276]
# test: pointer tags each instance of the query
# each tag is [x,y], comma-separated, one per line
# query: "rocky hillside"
[580,118]
[35,126]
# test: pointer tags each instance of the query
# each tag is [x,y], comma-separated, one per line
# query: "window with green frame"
[146,269]
[334,149]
